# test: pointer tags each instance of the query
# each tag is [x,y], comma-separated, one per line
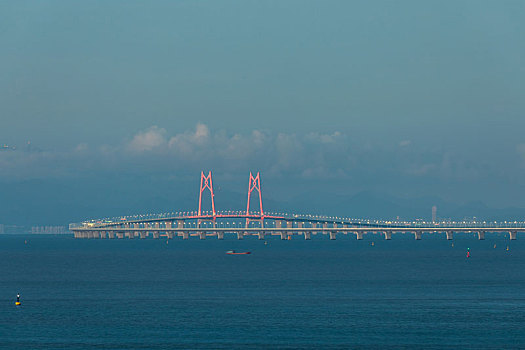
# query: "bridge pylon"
[254,184]
[206,184]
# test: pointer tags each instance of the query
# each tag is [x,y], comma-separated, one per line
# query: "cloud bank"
[314,155]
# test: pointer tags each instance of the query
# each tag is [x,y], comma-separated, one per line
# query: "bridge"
[212,223]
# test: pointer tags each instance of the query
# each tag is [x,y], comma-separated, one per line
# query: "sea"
[293,294]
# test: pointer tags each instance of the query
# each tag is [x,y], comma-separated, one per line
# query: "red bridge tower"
[254,184]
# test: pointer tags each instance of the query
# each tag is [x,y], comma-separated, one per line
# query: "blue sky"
[409,98]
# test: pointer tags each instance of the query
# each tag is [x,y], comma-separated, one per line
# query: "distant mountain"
[59,202]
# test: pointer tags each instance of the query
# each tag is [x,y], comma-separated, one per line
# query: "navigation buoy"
[507,248]
[494,246]
[468,252]
[17,302]
[452,245]
[265,242]
[373,244]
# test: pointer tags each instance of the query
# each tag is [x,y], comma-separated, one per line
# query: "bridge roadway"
[283,232]
[252,217]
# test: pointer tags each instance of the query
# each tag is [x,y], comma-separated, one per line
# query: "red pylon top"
[254,184]
[206,183]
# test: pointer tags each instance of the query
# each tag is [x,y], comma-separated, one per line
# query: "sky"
[327,99]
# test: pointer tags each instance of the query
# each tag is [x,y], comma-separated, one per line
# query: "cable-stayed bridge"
[212,223]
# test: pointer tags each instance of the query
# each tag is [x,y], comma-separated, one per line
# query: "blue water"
[319,294]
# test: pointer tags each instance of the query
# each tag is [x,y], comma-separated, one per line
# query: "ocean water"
[318,294]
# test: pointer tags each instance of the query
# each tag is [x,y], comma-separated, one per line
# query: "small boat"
[17,302]
[233,252]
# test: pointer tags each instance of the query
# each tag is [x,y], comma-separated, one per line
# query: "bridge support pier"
[333,235]
[388,235]
[278,224]
[120,235]
[307,235]
[284,235]
[220,235]
[289,224]
[359,235]
[481,235]
[260,234]
[185,235]
[111,234]
[417,235]
[240,235]
[202,235]
[512,235]
[102,234]
[299,226]
[156,234]
[449,235]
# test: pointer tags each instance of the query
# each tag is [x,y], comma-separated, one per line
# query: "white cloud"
[187,143]
[81,147]
[201,132]
[324,138]
[148,140]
